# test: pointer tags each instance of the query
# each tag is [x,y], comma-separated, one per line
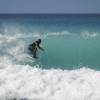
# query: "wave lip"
[20,81]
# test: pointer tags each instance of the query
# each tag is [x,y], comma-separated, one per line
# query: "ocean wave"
[13,48]
[25,82]
[87,34]
[18,32]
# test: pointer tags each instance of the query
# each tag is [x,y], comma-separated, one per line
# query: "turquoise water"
[70,41]
[73,51]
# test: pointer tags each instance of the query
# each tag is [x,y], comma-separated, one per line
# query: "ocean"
[68,69]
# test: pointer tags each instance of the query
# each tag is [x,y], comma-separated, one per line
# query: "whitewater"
[66,72]
[28,83]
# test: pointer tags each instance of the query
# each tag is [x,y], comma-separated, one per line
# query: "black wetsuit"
[33,49]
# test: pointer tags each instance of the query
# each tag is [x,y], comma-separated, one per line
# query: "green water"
[71,52]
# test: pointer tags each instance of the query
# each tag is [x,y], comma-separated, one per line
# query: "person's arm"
[40,48]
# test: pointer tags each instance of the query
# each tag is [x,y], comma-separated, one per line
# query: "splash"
[25,82]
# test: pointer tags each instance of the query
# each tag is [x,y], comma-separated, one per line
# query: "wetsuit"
[33,48]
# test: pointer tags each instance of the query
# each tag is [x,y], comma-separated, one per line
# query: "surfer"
[34,47]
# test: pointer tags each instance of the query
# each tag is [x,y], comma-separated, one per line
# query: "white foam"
[13,46]
[20,81]
[87,34]
[55,34]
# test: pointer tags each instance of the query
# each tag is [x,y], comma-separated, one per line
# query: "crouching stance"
[34,47]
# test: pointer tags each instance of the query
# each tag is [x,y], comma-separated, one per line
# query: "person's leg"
[30,48]
[34,53]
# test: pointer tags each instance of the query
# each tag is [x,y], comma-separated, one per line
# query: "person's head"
[38,41]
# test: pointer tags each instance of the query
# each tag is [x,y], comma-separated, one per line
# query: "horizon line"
[50,13]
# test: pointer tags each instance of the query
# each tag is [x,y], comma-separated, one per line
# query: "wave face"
[67,69]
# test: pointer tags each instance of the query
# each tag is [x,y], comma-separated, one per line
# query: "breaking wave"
[33,83]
